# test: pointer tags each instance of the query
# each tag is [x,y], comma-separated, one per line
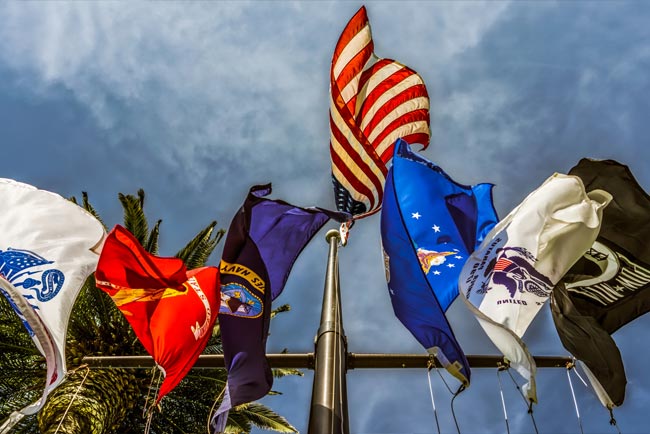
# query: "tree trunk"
[99,407]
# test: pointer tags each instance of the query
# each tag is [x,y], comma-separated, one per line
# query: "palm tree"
[102,401]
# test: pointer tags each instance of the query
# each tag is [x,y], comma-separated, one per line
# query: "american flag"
[502,264]
[373,103]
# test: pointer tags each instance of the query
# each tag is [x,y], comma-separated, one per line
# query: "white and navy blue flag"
[48,247]
[507,280]
[429,226]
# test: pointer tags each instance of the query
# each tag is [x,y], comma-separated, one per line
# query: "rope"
[214,404]
[432,363]
[147,425]
[612,421]
[570,366]
[73,396]
[149,408]
[529,404]
[453,413]
[432,360]
[575,370]
[503,401]
[146,401]
[433,403]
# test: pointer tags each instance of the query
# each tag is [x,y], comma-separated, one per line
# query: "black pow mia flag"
[610,285]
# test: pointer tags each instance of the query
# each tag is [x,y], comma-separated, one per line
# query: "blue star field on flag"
[429,225]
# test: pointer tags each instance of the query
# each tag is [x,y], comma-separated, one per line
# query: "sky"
[195,102]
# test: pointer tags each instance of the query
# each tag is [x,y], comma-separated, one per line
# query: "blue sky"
[196,102]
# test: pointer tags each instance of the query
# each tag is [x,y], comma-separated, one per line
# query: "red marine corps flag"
[172,310]
[373,103]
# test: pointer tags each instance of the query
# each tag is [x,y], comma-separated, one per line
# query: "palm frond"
[195,254]
[27,425]
[13,335]
[141,197]
[97,327]
[216,333]
[283,372]
[280,309]
[265,418]
[134,219]
[151,244]
[238,423]
[22,367]
[171,422]
[213,349]
[85,203]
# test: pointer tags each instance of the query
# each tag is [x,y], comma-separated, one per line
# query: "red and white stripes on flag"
[373,103]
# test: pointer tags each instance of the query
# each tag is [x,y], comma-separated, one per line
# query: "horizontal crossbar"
[306,361]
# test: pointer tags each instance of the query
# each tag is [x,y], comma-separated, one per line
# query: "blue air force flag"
[48,247]
[429,226]
[507,280]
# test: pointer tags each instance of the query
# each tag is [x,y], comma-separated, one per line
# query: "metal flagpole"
[329,406]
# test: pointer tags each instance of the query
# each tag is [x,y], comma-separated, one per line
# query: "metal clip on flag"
[344,231]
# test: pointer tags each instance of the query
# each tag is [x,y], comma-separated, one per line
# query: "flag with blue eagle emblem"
[264,240]
[429,226]
[48,247]
[508,279]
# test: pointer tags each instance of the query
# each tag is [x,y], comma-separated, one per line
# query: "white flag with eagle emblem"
[508,279]
[48,248]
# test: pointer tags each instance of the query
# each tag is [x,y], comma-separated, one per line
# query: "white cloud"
[244,83]
[184,79]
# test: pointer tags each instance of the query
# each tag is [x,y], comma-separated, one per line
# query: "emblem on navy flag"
[237,300]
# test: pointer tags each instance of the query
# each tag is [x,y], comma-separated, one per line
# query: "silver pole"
[329,406]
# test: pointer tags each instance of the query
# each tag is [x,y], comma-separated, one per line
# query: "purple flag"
[264,240]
